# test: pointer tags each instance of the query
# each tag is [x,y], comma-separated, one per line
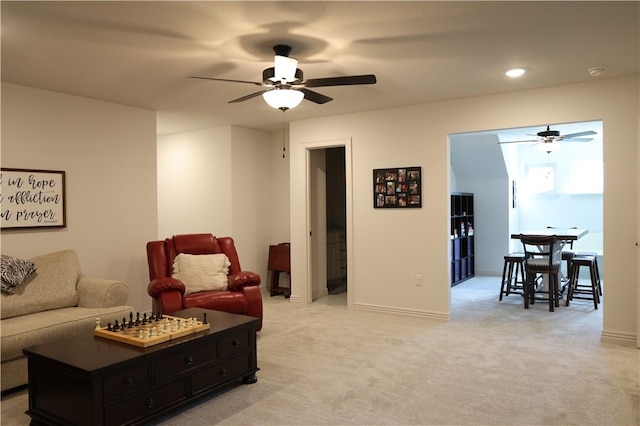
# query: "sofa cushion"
[43,327]
[201,272]
[14,272]
[52,286]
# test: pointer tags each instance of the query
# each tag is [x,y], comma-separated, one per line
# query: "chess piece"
[109,327]
[98,327]
[204,321]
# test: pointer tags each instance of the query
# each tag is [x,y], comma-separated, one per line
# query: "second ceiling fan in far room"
[549,137]
[284,87]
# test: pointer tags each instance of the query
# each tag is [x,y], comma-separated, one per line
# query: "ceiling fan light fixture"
[285,68]
[283,98]
[515,72]
[548,146]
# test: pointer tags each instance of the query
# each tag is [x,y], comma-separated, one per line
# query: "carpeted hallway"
[492,363]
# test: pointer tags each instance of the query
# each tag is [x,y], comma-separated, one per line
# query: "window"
[541,179]
[585,177]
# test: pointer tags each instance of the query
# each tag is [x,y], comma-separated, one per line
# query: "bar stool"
[512,270]
[541,257]
[582,291]
[595,255]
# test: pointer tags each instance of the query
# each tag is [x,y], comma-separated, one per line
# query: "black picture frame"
[32,199]
[397,188]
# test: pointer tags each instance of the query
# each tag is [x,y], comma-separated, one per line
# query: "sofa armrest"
[101,293]
[243,279]
[159,285]
[254,303]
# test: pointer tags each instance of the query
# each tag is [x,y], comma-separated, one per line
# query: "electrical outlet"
[419,280]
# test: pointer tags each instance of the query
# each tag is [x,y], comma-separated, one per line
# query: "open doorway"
[519,187]
[328,215]
[336,208]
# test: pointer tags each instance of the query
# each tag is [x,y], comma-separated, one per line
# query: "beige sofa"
[54,302]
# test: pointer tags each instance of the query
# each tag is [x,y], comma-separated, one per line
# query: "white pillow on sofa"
[202,272]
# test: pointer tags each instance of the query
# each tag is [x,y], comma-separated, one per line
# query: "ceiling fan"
[284,86]
[550,136]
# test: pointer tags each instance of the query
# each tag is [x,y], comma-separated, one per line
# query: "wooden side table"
[279,261]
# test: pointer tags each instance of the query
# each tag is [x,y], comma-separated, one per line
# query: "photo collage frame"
[398,187]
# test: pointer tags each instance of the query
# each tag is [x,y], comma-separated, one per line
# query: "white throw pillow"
[202,272]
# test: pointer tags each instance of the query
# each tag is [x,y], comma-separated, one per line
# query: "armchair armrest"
[160,285]
[243,279]
[101,293]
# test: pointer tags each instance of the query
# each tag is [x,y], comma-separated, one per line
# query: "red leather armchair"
[242,297]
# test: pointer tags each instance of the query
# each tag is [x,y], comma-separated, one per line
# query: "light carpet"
[493,363]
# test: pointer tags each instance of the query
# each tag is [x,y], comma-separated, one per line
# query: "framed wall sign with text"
[399,187]
[32,199]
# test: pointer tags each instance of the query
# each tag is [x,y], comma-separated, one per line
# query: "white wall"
[480,169]
[108,152]
[229,181]
[391,246]
[491,226]
[194,182]
[250,195]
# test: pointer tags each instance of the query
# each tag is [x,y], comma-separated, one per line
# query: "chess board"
[152,332]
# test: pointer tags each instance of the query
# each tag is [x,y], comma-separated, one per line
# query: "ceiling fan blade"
[228,80]
[247,97]
[576,139]
[573,135]
[316,97]
[500,143]
[341,81]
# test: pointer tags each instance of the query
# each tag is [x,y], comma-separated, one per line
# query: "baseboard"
[295,298]
[619,338]
[401,311]
[320,293]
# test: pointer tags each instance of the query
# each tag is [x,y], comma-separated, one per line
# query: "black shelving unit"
[461,253]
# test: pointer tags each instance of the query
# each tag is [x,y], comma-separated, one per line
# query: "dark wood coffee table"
[90,380]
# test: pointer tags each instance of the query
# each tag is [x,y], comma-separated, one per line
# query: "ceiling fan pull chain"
[283,146]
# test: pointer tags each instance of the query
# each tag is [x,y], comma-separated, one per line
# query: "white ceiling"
[140,53]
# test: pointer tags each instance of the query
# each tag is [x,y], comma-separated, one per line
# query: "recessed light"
[596,71]
[515,72]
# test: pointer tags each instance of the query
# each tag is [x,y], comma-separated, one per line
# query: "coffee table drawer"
[183,361]
[130,380]
[234,344]
[146,403]
[220,372]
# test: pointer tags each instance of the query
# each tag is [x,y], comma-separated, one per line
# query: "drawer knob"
[236,343]
[223,372]
[127,381]
[150,403]
[188,360]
